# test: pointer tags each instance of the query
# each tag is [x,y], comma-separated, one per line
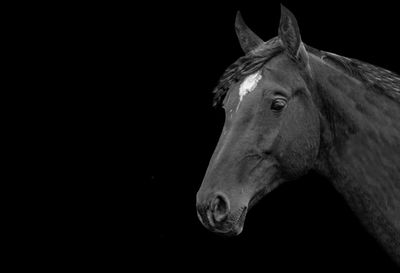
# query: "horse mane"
[375,78]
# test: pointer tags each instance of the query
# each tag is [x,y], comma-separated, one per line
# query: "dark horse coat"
[290,109]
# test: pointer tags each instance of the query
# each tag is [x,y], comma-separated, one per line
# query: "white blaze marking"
[248,85]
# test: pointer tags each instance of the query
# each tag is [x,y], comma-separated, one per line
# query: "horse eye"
[278,104]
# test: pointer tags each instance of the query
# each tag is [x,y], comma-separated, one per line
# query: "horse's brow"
[300,91]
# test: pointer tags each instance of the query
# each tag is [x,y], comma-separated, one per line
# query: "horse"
[291,109]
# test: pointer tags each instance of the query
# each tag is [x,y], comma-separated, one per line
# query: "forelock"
[246,65]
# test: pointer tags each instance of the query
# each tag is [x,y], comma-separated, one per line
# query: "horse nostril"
[220,207]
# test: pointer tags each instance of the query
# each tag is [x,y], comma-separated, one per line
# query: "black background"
[117,91]
[303,225]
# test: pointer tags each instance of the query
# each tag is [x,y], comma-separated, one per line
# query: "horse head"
[271,132]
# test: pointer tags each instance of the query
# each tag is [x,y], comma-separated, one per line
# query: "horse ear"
[248,39]
[289,33]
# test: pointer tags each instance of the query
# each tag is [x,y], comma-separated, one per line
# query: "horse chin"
[233,226]
[235,222]
[263,192]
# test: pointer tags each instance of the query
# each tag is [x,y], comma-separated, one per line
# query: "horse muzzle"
[216,215]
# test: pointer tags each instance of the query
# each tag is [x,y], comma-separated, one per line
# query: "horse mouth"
[231,226]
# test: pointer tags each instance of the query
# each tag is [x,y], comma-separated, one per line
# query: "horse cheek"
[300,136]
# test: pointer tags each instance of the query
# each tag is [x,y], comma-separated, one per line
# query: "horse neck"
[360,149]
